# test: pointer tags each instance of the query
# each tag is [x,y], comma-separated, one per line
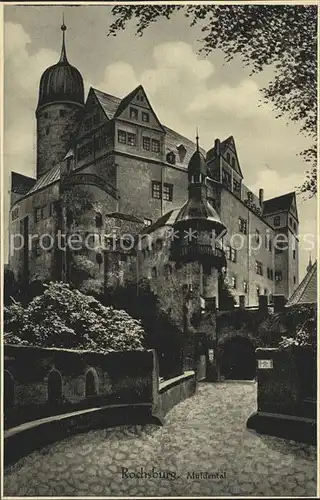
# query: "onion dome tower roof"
[61,82]
[197,208]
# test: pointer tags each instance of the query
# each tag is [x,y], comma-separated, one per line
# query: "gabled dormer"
[230,156]
[95,134]
[224,166]
[93,116]
[135,108]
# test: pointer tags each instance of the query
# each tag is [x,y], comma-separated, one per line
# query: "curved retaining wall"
[124,389]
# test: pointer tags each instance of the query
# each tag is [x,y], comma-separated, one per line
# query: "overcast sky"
[186,90]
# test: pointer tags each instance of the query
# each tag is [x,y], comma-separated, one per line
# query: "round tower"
[197,226]
[59,110]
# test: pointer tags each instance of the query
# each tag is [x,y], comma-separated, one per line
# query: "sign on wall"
[265,364]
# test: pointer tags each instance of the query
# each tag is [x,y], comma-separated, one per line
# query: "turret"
[198,225]
[59,110]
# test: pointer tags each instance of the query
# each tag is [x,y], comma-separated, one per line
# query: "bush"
[65,318]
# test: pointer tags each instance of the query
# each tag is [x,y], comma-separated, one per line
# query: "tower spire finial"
[197,139]
[63,56]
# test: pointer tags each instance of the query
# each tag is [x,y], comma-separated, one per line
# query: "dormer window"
[171,158]
[133,113]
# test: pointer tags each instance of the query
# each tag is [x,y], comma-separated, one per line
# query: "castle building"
[108,170]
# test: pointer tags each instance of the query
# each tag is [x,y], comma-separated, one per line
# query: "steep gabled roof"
[21,184]
[109,102]
[126,101]
[113,107]
[278,203]
[306,292]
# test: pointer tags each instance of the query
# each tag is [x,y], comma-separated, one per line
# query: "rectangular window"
[276,220]
[294,280]
[270,273]
[294,254]
[234,282]
[132,139]
[236,187]
[15,214]
[133,113]
[156,190]
[242,225]
[96,118]
[88,123]
[278,275]
[145,117]
[36,248]
[257,236]
[245,287]
[62,112]
[155,146]
[167,192]
[231,254]
[85,150]
[146,143]
[51,208]
[38,214]
[226,178]
[122,136]
[259,268]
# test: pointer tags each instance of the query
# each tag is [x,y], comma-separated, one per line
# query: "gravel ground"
[204,449]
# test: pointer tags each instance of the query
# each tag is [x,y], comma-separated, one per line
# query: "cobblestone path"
[205,433]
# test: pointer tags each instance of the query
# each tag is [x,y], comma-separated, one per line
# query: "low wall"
[117,377]
[124,389]
[173,391]
[286,402]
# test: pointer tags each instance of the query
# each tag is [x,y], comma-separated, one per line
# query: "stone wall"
[87,379]
[287,393]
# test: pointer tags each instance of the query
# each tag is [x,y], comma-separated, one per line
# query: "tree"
[283,37]
[66,318]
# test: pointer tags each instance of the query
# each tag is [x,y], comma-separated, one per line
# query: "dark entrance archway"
[91,384]
[54,388]
[238,360]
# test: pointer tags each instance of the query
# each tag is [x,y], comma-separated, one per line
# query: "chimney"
[261,198]
[279,302]
[217,146]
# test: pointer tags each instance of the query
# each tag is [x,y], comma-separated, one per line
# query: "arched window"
[8,390]
[54,387]
[91,383]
